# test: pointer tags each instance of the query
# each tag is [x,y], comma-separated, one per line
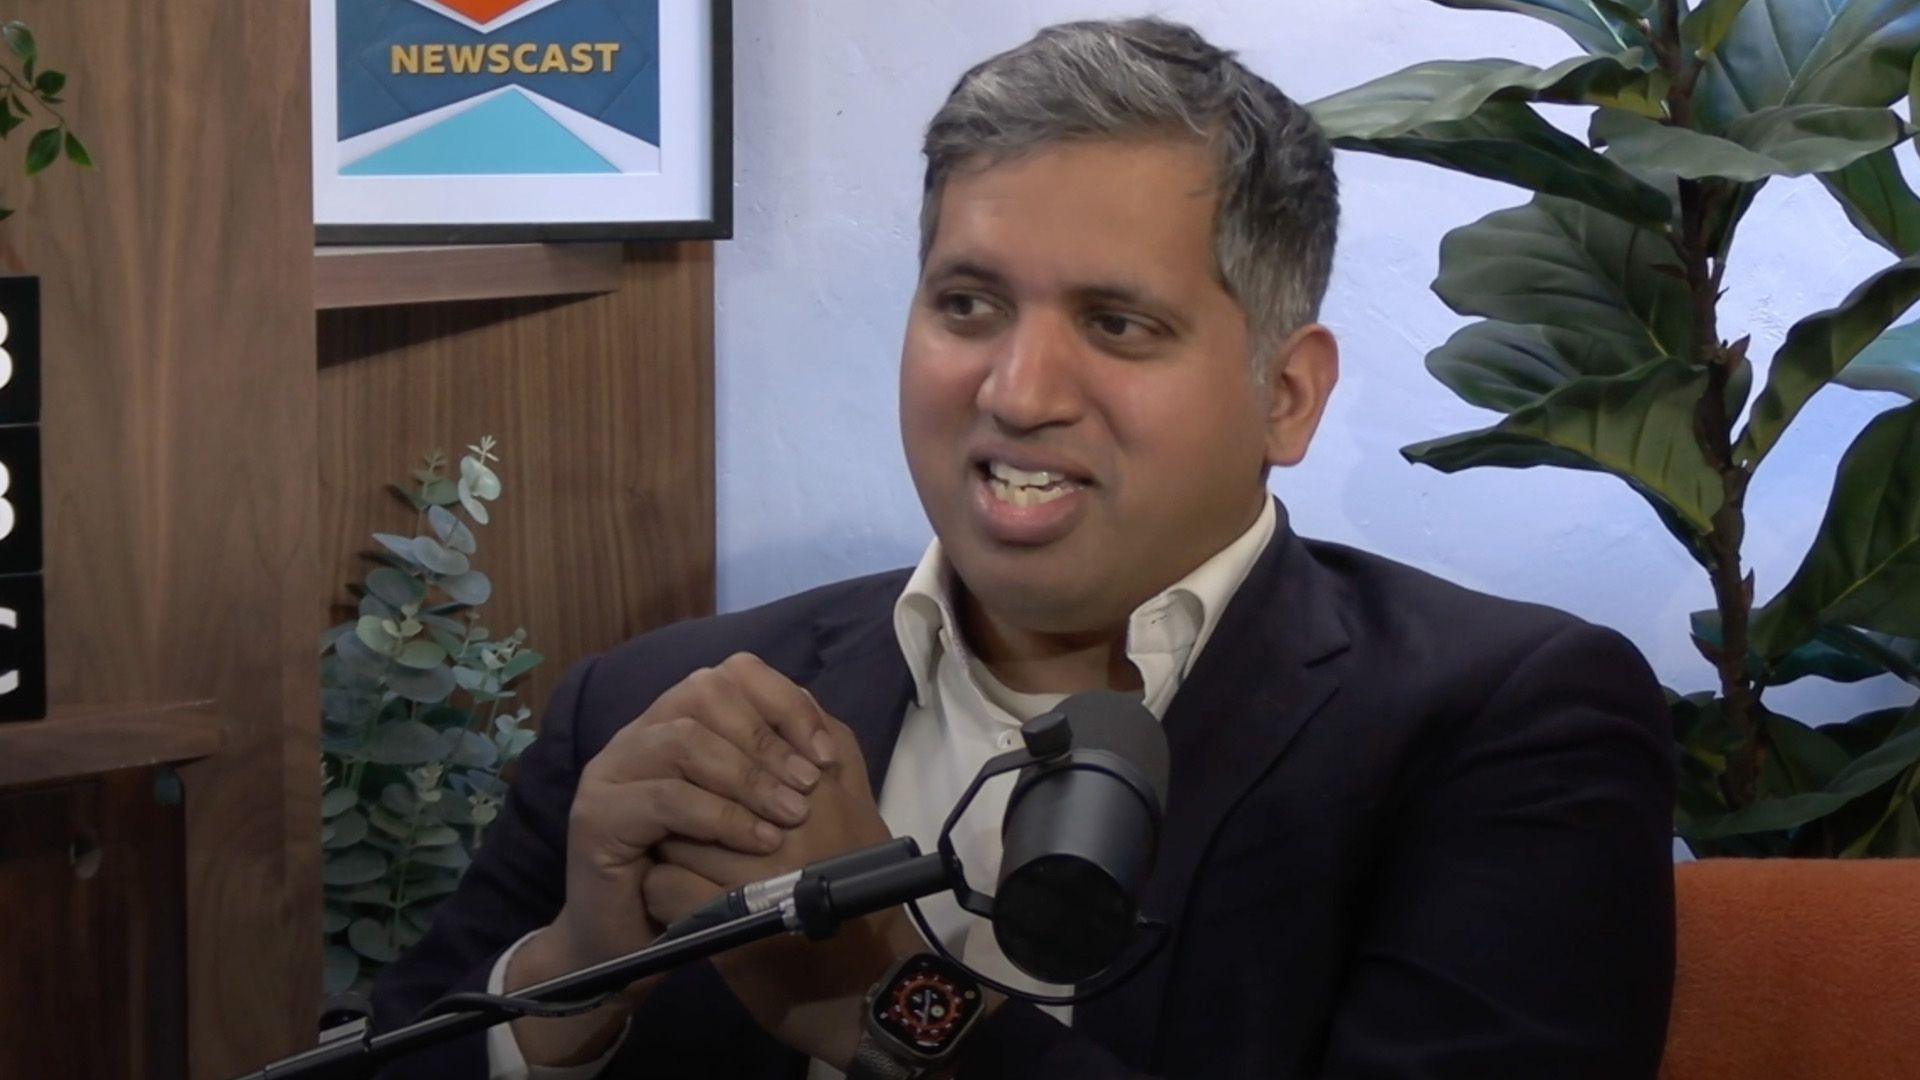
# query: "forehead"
[1088,208]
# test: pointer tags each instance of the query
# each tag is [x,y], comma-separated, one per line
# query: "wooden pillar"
[179,439]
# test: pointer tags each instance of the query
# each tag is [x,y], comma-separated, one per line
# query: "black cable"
[508,1005]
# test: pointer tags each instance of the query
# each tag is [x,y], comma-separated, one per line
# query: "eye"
[962,305]
[966,312]
[1121,327]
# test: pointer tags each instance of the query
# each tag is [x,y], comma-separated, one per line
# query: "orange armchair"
[1796,969]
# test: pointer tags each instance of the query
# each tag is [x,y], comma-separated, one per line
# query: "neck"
[1036,662]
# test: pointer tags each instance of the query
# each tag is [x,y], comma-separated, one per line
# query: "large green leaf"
[1878,201]
[1863,569]
[1558,263]
[1600,26]
[1504,367]
[1865,773]
[1707,24]
[1441,90]
[1819,346]
[1509,142]
[1828,655]
[1638,426]
[1896,655]
[1789,140]
[1891,363]
[1790,52]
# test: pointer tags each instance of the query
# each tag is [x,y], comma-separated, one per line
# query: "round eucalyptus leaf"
[342,967]
[336,802]
[399,798]
[372,632]
[400,547]
[431,554]
[421,654]
[479,480]
[440,491]
[370,939]
[442,521]
[453,857]
[355,653]
[471,588]
[429,687]
[471,503]
[404,742]
[470,750]
[356,866]
[334,921]
[523,661]
[436,836]
[396,588]
[461,538]
[349,829]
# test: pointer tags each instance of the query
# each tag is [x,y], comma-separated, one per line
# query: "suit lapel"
[1269,667]
[863,680]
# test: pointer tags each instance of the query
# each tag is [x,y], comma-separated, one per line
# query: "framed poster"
[454,121]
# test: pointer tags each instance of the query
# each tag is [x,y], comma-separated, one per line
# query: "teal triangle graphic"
[505,135]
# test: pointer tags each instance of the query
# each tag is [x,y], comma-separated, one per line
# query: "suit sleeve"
[1522,919]
[515,885]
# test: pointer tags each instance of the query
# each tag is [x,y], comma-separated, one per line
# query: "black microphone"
[1079,838]
[1077,843]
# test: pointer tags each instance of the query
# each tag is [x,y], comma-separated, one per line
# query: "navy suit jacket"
[1411,831]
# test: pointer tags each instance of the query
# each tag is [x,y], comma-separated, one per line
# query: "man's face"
[1076,396]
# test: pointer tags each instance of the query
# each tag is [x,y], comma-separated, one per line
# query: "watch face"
[927,1005]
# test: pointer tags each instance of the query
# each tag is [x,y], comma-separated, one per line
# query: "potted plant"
[1600,343]
[418,719]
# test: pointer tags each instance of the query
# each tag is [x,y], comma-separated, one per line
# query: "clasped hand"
[733,775]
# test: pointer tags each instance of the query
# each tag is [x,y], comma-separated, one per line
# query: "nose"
[1034,380]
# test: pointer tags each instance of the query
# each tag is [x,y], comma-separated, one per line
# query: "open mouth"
[1023,487]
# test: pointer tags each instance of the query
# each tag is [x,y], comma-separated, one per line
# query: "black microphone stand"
[827,894]
[821,901]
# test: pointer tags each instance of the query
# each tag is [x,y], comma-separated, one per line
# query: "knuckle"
[757,779]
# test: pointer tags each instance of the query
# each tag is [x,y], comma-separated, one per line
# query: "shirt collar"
[1177,620]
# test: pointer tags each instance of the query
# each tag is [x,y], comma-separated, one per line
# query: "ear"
[1299,379]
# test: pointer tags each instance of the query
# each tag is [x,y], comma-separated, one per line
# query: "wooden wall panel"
[179,454]
[603,407]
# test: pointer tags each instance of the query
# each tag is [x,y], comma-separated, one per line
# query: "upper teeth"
[1022,478]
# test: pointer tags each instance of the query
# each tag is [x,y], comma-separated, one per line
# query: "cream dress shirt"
[961,716]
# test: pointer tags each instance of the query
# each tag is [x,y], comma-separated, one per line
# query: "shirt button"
[1008,740]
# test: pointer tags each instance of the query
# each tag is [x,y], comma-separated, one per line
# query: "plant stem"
[1700,200]
[16,82]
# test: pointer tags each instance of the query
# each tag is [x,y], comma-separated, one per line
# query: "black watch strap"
[873,1061]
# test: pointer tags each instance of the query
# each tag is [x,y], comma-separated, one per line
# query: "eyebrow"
[1118,292]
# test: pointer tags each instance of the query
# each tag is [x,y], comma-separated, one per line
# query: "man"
[1411,831]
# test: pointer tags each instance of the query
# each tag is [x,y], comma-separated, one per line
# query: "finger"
[730,869]
[696,753]
[722,704]
[790,709]
[672,893]
[633,816]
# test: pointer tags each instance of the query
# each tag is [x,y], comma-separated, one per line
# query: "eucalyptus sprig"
[418,718]
[27,94]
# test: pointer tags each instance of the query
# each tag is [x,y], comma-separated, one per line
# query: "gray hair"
[1279,205]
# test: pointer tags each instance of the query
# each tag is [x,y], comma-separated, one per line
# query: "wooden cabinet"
[93,890]
[93,910]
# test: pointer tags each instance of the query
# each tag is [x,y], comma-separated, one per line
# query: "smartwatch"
[914,1018]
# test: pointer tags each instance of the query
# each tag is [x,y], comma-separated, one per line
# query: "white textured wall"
[831,97]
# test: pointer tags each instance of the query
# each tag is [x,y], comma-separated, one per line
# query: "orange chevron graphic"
[484,11]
